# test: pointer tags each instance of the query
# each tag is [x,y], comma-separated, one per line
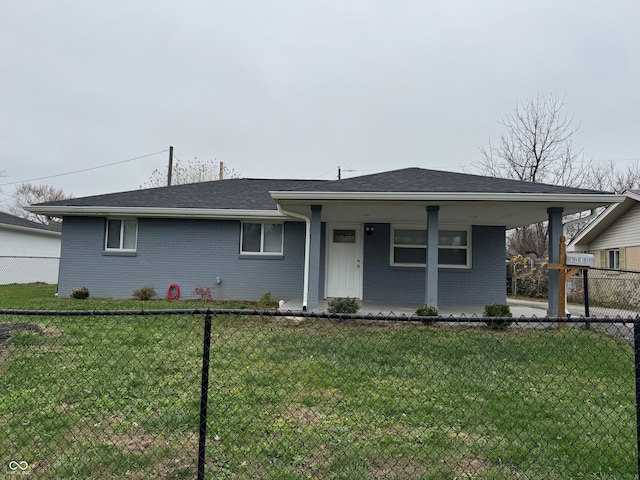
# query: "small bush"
[145,293]
[267,301]
[343,305]
[427,311]
[528,278]
[80,293]
[499,310]
[203,292]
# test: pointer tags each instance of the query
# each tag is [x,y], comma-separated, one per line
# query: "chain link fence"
[610,293]
[25,269]
[303,396]
[604,292]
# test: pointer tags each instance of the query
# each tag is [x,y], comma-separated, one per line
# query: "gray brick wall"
[483,284]
[195,252]
[187,252]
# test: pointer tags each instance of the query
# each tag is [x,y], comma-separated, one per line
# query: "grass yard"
[41,296]
[118,397]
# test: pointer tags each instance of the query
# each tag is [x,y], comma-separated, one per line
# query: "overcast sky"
[296,88]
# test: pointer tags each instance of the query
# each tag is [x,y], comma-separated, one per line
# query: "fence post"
[204,393]
[636,342]
[585,288]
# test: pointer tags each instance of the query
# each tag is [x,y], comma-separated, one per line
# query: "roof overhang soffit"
[508,210]
[606,219]
[35,231]
[151,212]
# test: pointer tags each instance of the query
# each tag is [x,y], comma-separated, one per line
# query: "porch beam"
[431,270]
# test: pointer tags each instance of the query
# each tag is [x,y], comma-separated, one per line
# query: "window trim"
[262,253]
[392,245]
[120,248]
[616,258]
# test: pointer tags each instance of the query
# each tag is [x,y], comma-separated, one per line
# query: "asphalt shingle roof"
[8,219]
[253,194]
[423,180]
[235,193]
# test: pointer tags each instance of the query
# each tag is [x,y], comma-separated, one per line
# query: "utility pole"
[339,173]
[221,173]
[170,169]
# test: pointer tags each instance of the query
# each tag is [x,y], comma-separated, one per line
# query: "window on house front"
[121,234]
[613,259]
[409,247]
[261,238]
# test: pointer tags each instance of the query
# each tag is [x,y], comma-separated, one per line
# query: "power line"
[84,170]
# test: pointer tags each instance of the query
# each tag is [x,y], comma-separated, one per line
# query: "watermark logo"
[19,468]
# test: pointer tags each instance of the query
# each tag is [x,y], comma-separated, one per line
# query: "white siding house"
[614,237]
[29,251]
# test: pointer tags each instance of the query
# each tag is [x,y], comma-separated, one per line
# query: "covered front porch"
[423,237]
[361,251]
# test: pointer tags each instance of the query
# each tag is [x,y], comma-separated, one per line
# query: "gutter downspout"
[307,247]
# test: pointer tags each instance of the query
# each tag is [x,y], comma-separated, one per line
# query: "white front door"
[344,260]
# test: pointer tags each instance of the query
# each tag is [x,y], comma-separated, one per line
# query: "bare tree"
[193,171]
[536,146]
[608,177]
[27,194]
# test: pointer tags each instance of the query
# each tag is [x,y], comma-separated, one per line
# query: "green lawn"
[118,397]
[41,296]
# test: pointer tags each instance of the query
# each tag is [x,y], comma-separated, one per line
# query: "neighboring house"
[410,236]
[29,251]
[614,236]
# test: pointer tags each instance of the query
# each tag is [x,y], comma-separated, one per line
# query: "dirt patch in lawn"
[399,467]
[6,329]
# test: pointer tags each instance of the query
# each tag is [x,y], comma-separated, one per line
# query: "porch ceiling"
[477,212]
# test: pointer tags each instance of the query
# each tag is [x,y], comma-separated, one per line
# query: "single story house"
[411,236]
[29,251]
[614,236]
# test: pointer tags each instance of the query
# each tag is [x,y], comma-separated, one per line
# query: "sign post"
[570,264]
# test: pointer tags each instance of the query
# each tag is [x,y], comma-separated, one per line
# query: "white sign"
[581,259]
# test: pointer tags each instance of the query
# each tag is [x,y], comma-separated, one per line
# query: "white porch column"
[431,279]
[555,232]
[314,257]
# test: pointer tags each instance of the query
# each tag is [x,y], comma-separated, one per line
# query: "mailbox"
[581,259]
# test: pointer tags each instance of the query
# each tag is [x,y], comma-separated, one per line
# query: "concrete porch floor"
[519,308]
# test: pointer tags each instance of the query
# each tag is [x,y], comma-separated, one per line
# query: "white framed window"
[261,238]
[613,259]
[409,246]
[121,234]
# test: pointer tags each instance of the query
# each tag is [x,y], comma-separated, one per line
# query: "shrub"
[343,305]
[267,301]
[499,310]
[145,293]
[203,292]
[80,293]
[427,311]
[529,277]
